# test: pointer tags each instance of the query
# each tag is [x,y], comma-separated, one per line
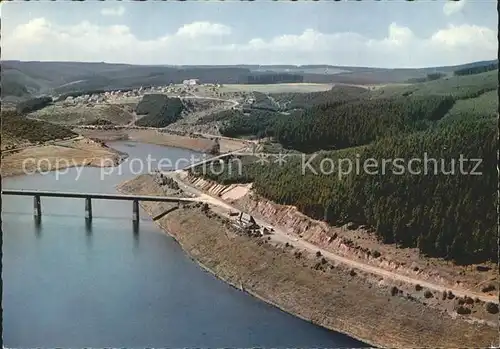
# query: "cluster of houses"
[110,96]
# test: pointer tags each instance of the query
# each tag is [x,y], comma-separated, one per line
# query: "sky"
[390,34]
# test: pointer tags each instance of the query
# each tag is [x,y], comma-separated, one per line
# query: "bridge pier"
[38,225]
[135,210]
[88,208]
[37,207]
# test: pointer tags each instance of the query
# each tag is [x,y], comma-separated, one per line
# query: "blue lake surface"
[69,283]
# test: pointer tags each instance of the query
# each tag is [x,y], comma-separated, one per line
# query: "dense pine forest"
[33,104]
[160,110]
[428,77]
[448,209]
[344,125]
[257,123]
[339,124]
[262,102]
[271,78]
[291,101]
[477,69]
[11,87]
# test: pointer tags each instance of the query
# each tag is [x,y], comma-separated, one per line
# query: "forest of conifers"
[476,69]
[443,213]
[160,110]
[33,104]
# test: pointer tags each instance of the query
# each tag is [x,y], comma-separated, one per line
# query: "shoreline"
[19,174]
[61,157]
[233,260]
[241,287]
[332,239]
[198,144]
[176,229]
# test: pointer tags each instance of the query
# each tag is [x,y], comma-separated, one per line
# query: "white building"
[191,82]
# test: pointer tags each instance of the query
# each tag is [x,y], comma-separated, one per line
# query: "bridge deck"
[221,156]
[61,194]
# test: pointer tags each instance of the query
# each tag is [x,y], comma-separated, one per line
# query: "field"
[276,88]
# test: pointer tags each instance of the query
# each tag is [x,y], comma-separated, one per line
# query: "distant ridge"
[26,79]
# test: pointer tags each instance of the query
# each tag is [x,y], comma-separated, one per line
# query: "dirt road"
[282,236]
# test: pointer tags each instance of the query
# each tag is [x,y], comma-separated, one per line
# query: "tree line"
[13,88]
[33,104]
[259,123]
[271,78]
[428,77]
[476,69]
[444,214]
[342,124]
[291,101]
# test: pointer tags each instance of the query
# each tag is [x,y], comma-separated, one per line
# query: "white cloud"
[113,11]
[213,43]
[465,36]
[452,7]
[197,29]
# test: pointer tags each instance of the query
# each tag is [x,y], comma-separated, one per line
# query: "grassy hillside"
[73,115]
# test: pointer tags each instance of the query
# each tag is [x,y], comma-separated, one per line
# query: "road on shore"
[282,236]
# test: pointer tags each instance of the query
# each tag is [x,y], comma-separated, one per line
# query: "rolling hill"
[25,79]
[444,213]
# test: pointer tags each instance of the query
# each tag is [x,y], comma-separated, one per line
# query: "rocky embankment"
[353,241]
[309,286]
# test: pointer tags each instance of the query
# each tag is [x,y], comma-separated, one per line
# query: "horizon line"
[249,64]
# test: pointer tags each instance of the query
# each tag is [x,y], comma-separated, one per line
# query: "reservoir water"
[71,284]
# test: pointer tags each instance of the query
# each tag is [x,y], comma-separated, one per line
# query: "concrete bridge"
[241,151]
[37,194]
